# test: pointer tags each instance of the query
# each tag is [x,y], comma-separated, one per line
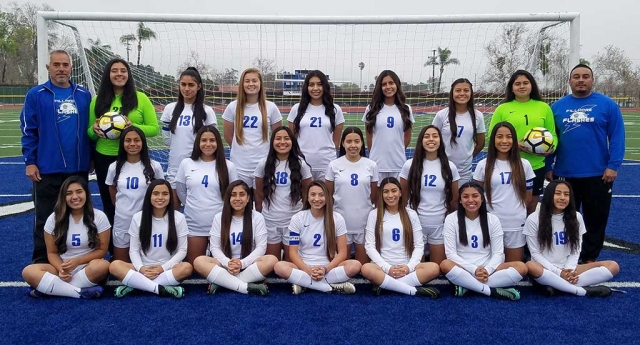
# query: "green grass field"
[10,131]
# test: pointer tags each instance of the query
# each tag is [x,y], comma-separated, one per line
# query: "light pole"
[361,65]
[433,71]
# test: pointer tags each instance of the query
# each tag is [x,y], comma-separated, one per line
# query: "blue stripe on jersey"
[294,234]
[530,184]
[294,238]
[165,128]
[295,242]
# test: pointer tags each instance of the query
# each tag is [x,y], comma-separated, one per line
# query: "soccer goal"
[427,52]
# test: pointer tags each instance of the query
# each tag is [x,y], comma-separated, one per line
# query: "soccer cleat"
[171,291]
[459,291]
[297,289]
[343,288]
[258,289]
[122,291]
[377,290]
[91,292]
[508,293]
[35,293]
[212,288]
[549,291]
[430,292]
[598,291]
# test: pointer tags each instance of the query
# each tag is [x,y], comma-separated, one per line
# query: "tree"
[268,69]
[506,53]
[143,33]
[229,76]
[443,59]
[349,87]
[207,73]
[585,62]
[8,45]
[126,41]
[617,75]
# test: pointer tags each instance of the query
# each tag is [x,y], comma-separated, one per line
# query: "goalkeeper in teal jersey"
[524,109]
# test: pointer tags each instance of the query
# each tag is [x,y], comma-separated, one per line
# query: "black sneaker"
[430,292]
[598,291]
[258,289]
[508,294]
[376,290]
[171,291]
[34,293]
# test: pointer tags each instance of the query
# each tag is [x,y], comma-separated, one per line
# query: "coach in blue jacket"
[55,144]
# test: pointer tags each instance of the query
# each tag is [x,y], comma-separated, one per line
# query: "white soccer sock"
[80,280]
[52,285]
[594,276]
[410,279]
[222,277]
[336,275]
[556,282]
[506,277]
[166,278]
[251,274]
[138,281]
[392,284]
[301,278]
[463,278]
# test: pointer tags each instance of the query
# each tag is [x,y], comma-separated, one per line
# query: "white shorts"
[278,235]
[514,239]
[385,174]
[355,238]
[246,177]
[433,235]
[170,176]
[317,175]
[121,239]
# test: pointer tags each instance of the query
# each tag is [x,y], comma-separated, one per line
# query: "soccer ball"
[112,124]
[538,140]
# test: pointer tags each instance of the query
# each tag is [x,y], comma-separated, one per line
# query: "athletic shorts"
[538,182]
[246,177]
[121,239]
[355,238]
[278,235]
[514,239]
[384,174]
[317,175]
[433,235]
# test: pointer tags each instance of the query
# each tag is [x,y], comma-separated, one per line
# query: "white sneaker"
[344,288]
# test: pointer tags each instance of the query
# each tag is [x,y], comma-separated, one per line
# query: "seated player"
[77,238]
[475,255]
[394,243]
[554,235]
[238,244]
[318,247]
[157,246]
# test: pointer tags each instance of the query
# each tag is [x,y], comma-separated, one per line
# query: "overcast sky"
[602,23]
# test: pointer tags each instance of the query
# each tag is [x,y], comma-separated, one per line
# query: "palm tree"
[143,34]
[126,40]
[444,59]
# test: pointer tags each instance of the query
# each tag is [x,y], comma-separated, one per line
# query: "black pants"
[101,165]
[594,195]
[45,195]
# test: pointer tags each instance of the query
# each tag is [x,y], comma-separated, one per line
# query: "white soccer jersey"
[316,136]
[77,236]
[158,254]
[559,256]
[474,254]
[181,142]
[392,250]
[431,209]
[259,247]
[505,203]
[352,190]
[247,155]
[198,188]
[131,187]
[461,153]
[387,148]
[279,211]
[307,232]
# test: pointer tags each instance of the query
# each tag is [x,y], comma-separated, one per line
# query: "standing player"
[282,178]
[507,180]
[388,121]
[524,109]
[77,237]
[181,121]
[117,93]
[158,245]
[238,243]
[352,179]
[60,151]
[430,185]
[318,247]
[318,142]
[247,122]
[201,182]
[462,127]
[591,134]
[554,235]
[127,179]
[473,243]
[394,244]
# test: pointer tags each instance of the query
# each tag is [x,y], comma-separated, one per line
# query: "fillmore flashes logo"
[578,117]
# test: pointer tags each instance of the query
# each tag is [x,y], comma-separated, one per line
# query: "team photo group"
[316,202]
